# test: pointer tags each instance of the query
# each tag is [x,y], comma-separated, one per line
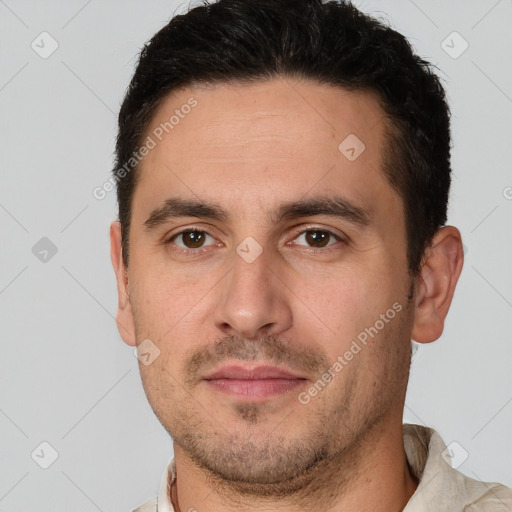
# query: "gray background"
[67,379]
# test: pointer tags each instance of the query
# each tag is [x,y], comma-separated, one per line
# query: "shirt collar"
[440,487]
[168,480]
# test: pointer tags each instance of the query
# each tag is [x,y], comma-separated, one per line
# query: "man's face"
[279,249]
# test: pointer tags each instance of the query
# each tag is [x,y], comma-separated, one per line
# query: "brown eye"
[191,239]
[318,238]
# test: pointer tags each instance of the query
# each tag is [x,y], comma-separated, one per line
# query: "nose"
[253,301]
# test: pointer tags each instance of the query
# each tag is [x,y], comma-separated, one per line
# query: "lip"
[251,373]
[253,383]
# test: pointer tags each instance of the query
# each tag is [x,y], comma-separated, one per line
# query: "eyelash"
[338,238]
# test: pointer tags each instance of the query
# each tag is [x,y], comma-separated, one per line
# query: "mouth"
[253,383]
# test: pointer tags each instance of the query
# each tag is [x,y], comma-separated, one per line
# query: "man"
[283,170]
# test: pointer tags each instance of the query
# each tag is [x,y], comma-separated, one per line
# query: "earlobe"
[124,317]
[442,265]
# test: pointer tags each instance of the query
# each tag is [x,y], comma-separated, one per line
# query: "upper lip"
[251,373]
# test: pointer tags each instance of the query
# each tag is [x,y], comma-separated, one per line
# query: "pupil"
[194,239]
[317,238]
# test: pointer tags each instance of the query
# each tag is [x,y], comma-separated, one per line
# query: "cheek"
[164,299]
[342,300]
[339,307]
[172,311]
[161,387]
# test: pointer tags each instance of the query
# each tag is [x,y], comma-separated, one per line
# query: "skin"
[250,149]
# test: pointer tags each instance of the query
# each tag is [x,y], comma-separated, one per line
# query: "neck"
[372,474]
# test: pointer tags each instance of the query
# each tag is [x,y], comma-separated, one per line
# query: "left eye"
[316,238]
[192,239]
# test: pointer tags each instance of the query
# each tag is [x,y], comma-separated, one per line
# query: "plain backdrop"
[66,378]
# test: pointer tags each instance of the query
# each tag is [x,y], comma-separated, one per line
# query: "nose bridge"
[252,302]
[254,279]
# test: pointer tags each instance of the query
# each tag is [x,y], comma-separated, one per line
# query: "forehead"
[265,142]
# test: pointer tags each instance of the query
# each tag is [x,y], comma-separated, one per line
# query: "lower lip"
[255,389]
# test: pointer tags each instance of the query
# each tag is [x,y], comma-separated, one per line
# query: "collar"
[166,486]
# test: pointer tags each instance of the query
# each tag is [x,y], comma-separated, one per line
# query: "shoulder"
[150,506]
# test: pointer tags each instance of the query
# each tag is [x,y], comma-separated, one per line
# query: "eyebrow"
[176,207]
[337,206]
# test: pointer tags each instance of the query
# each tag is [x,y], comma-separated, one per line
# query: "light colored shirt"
[441,488]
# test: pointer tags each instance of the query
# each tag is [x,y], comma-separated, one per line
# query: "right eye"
[192,239]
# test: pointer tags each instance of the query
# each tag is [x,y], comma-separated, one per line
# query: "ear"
[442,265]
[124,317]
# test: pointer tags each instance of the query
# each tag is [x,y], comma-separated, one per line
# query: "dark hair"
[331,43]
